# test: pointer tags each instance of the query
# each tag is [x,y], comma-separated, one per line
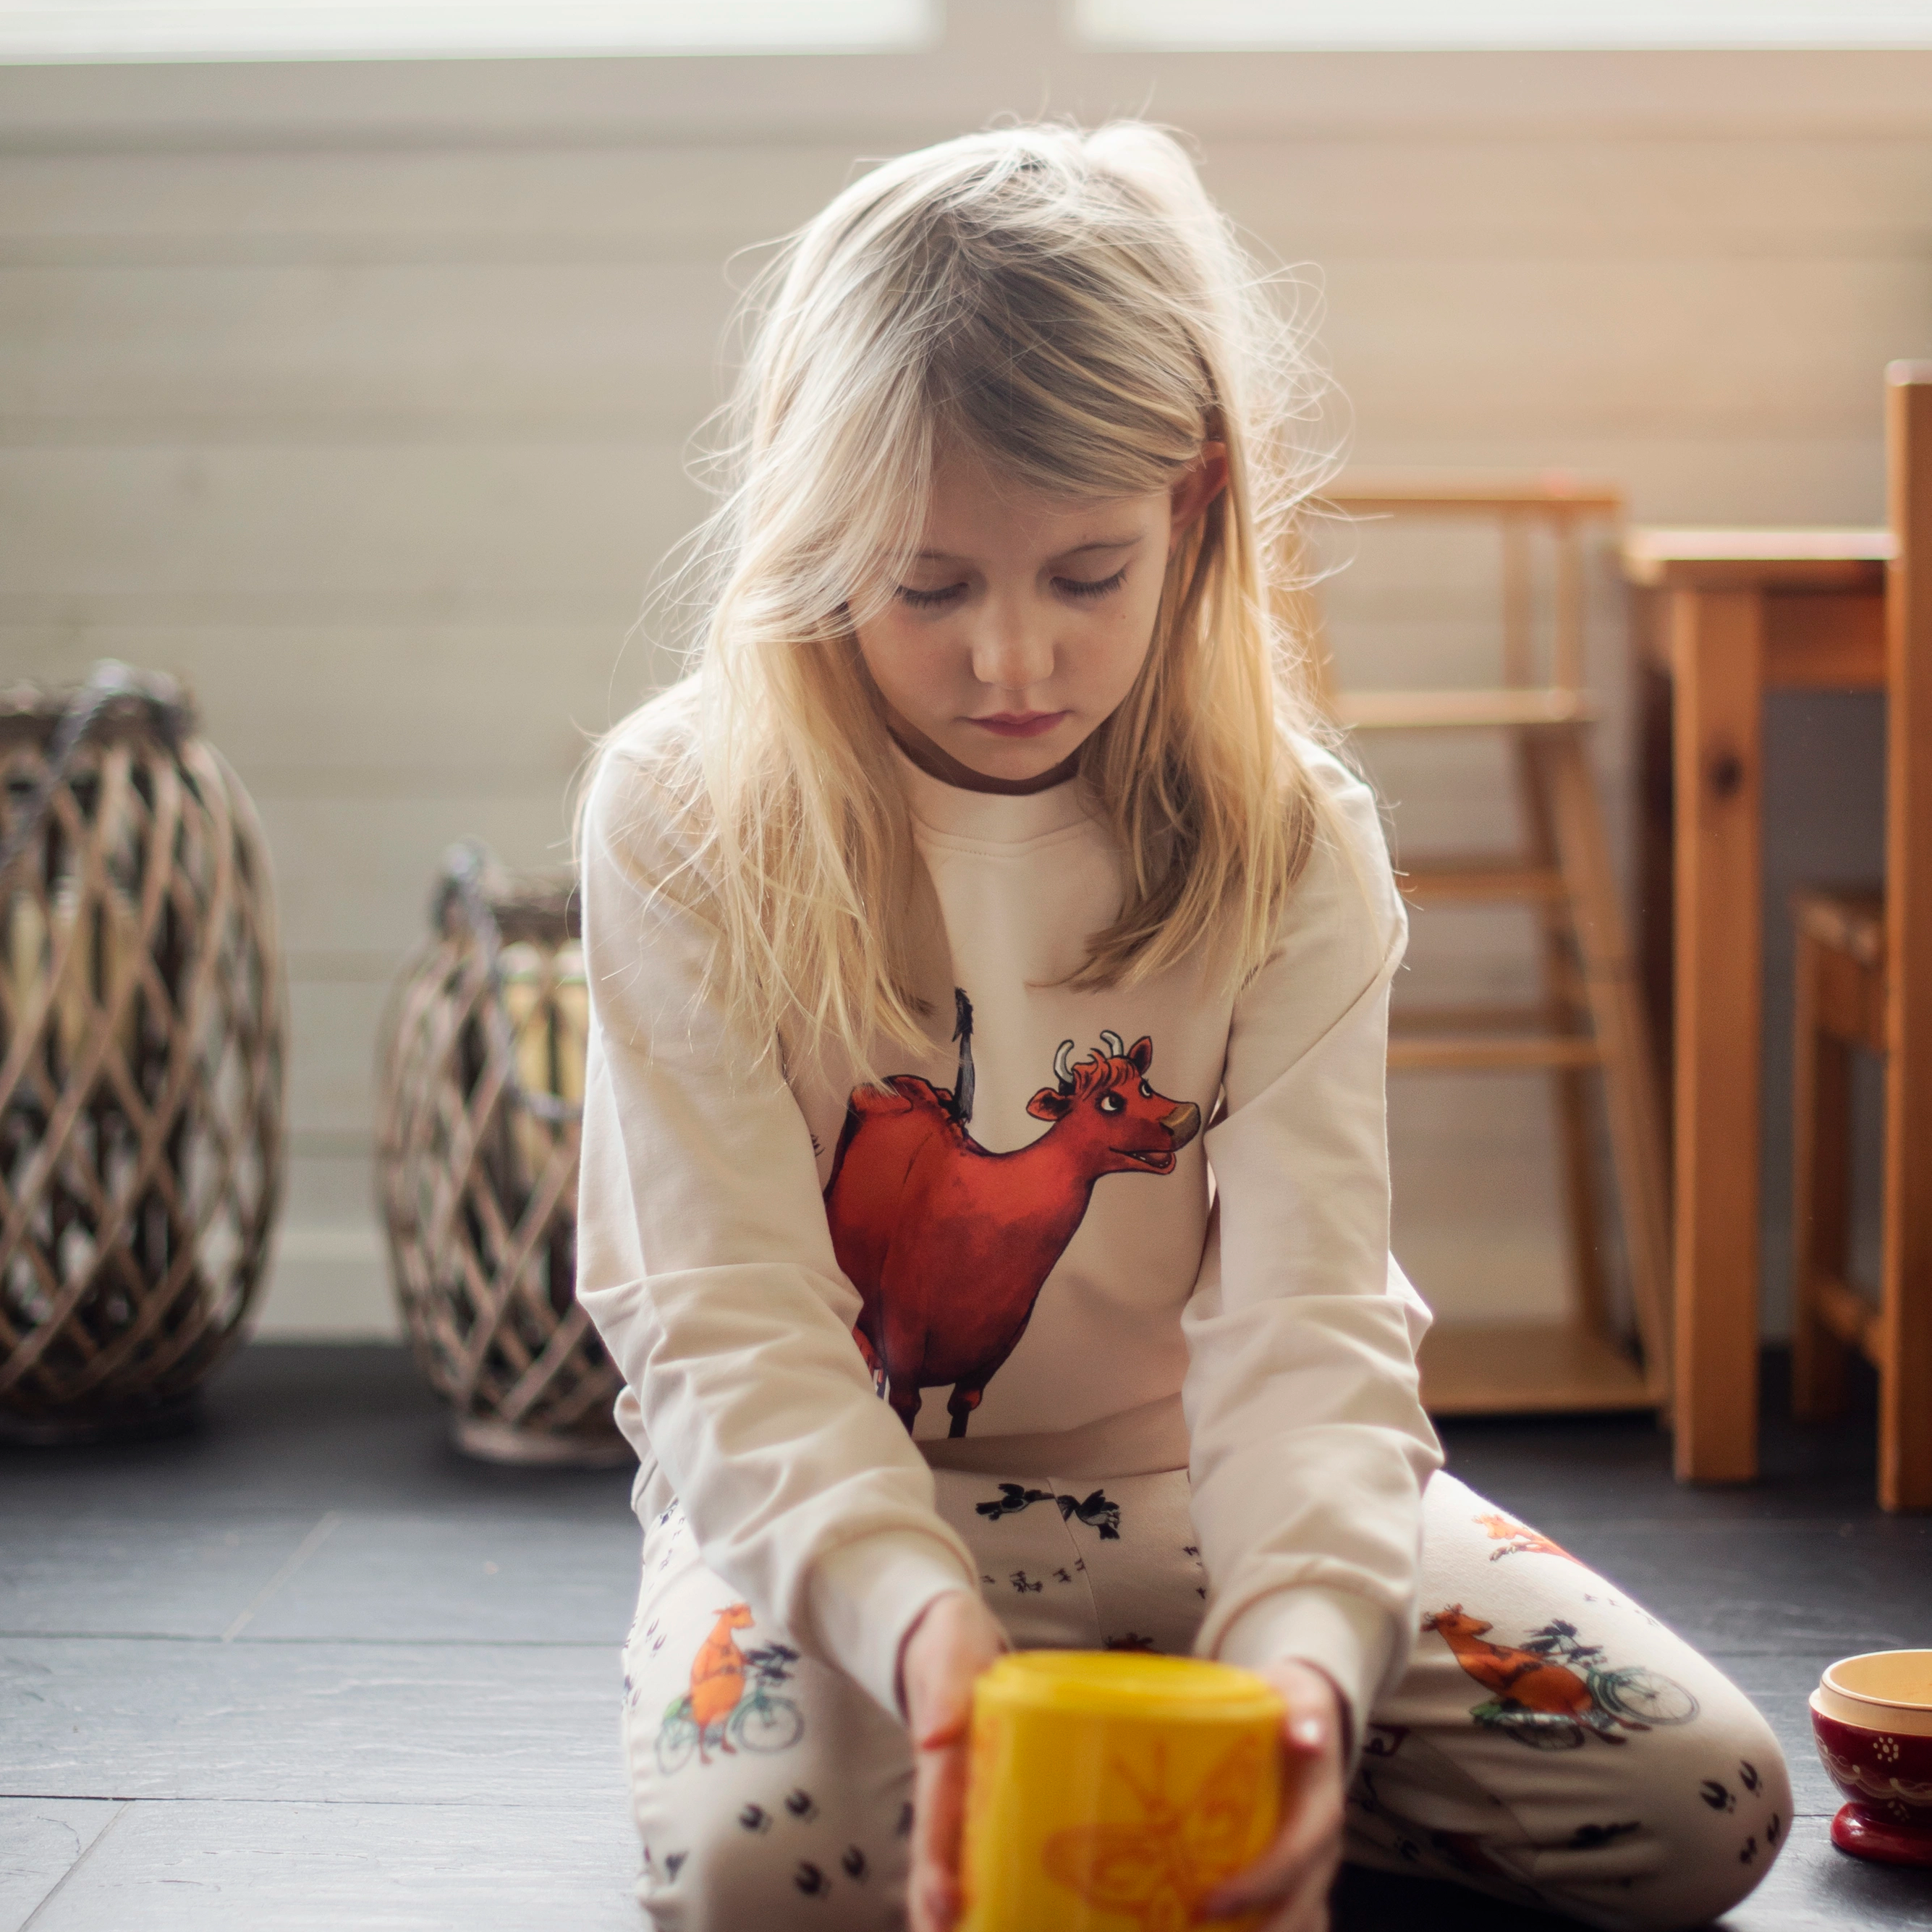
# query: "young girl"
[985,1188]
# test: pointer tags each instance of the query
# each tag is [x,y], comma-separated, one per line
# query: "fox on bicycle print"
[734,1703]
[1552,1691]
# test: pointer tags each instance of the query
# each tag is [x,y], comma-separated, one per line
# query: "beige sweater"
[1026,1237]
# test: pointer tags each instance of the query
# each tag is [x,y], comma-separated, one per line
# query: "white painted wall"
[357,394]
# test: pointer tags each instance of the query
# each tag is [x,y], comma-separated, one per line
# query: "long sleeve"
[1308,1442]
[705,1261]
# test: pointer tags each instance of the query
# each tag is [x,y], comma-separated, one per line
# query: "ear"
[1141,1054]
[1201,482]
[1050,1104]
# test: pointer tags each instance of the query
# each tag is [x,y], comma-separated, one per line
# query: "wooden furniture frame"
[1726,616]
[1865,980]
[1590,1020]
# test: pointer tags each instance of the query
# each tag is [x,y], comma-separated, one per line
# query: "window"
[1257,25]
[149,30]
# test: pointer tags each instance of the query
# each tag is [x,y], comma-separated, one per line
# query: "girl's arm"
[1309,1444]
[705,1261]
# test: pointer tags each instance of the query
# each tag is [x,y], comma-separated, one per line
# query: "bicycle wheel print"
[1644,1696]
[677,1738]
[765,1723]
[1540,1730]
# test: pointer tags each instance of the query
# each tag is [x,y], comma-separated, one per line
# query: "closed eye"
[1074,587]
[930,600]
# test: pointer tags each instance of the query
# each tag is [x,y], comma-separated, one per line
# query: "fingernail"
[1308,1733]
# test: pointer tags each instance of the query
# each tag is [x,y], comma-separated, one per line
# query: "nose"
[1184,1123]
[1012,649]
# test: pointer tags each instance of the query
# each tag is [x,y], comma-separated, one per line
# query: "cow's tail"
[962,1031]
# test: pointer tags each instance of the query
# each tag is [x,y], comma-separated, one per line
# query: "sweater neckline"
[992,818]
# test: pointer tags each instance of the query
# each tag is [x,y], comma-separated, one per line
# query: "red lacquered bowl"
[1872,1716]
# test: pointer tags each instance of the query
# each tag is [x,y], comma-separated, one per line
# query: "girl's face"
[1023,620]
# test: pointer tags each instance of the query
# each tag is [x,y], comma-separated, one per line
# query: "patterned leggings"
[1550,1742]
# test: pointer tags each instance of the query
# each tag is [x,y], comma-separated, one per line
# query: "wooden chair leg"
[1821,1132]
[1584,1216]
[1905,1332]
[1616,1007]
[1905,1324]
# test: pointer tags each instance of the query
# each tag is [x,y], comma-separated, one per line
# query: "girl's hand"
[955,1638]
[1290,1878]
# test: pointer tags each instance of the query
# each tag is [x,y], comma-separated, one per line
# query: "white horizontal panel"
[682,203]
[333,1032]
[686,203]
[1304,194]
[329,1269]
[411,711]
[1574,195]
[570,534]
[1563,348]
[999,57]
[252,30]
[334,1190]
[355,874]
[599,350]
[602,351]
[1478,1222]
[1707,481]
[1265,26]
[571,527]
[313,1296]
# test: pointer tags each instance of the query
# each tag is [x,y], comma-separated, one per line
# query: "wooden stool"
[1590,1020]
[1865,979]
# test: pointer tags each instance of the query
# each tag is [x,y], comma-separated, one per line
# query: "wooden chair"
[1865,980]
[1590,1023]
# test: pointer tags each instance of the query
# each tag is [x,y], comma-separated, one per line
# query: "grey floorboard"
[306,1868]
[1774,1586]
[398,1735]
[513,1577]
[288,1430]
[1814,1888]
[40,1840]
[137,1577]
[105,1717]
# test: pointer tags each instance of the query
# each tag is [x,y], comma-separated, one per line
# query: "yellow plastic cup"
[1112,1790]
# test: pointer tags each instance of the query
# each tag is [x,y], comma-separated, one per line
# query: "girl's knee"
[1701,1814]
[1738,1814]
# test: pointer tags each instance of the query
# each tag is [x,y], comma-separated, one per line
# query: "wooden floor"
[305,1669]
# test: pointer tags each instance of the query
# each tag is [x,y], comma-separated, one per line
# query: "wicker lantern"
[482,1088]
[143,1034]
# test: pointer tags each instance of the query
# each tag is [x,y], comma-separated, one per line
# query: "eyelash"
[931,600]
[1099,588]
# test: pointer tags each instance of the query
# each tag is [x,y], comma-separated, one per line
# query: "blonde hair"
[1070,306]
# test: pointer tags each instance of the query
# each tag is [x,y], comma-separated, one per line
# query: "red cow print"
[949,1243]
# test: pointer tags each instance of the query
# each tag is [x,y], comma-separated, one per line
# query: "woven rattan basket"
[142,1034]
[482,1084]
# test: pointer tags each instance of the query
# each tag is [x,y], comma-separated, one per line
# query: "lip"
[1160,1161]
[1019,724]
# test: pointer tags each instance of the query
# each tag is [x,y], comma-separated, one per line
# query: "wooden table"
[1726,615]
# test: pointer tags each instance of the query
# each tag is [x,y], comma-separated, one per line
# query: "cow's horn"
[1063,1066]
[1116,1047]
